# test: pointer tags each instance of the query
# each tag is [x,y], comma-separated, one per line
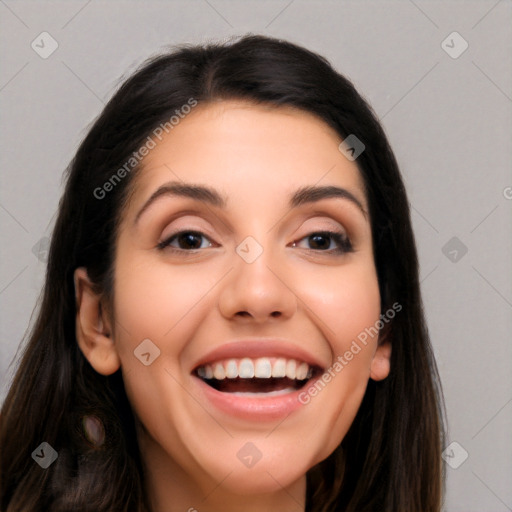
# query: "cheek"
[158,302]
[346,301]
[348,305]
[165,305]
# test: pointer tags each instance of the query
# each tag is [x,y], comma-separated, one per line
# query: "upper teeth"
[262,368]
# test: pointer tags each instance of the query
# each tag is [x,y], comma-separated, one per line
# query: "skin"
[187,303]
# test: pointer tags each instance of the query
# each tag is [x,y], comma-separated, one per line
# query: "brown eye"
[185,241]
[327,241]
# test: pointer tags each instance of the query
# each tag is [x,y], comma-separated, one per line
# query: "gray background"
[448,120]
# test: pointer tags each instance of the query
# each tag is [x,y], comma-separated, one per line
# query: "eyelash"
[344,244]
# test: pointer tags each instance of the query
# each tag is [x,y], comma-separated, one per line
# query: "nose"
[258,291]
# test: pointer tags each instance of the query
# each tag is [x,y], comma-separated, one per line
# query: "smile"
[264,386]
[262,376]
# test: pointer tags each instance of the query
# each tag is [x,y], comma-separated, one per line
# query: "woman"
[231,318]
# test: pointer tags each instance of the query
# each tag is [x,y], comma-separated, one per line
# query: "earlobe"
[380,364]
[93,330]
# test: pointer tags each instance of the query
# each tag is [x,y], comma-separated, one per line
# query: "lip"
[254,408]
[261,347]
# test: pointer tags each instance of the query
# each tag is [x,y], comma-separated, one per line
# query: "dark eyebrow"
[211,196]
[197,192]
[312,194]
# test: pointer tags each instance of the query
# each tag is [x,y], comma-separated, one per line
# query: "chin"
[265,479]
[271,473]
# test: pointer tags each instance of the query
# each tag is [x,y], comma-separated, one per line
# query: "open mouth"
[264,376]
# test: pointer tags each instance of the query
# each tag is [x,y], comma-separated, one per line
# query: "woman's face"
[229,270]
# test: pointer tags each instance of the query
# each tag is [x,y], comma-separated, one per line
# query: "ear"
[380,365]
[93,330]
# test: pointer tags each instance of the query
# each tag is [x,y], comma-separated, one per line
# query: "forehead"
[248,150]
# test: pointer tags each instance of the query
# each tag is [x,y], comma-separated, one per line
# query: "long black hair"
[390,458]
